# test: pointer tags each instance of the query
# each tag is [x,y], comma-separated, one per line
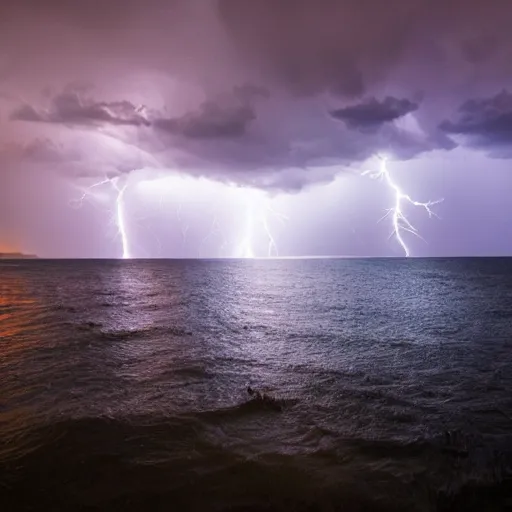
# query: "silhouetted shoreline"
[17,256]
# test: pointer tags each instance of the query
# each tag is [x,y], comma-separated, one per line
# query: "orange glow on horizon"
[9,248]
[15,321]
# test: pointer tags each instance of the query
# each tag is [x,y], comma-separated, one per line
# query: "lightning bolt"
[258,228]
[121,224]
[120,210]
[183,228]
[78,203]
[400,222]
[245,249]
[271,240]
[264,211]
[215,229]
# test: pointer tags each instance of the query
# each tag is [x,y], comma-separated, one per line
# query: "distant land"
[16,256]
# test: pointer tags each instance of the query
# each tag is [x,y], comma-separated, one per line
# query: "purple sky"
[242,127]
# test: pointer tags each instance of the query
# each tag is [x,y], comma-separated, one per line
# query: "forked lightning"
[400,222]
[120,213]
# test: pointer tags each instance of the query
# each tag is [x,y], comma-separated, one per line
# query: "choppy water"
[123,385]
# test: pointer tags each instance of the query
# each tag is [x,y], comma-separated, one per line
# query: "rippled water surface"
[123,385]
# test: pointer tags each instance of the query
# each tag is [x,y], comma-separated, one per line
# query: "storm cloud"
[245,135]
[485,123]
[371,114]
[225,117]
[268,87]
[281,95]
[70,107]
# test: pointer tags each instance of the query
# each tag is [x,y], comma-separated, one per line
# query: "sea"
[388,383]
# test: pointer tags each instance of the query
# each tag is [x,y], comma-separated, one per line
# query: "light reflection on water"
[359,351]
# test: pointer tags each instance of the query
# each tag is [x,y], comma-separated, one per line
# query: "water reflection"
[128,336]
[17,308]
[369,356]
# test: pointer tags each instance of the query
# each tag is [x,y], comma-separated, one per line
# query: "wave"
[192,371]
[146,462]
[249,407]
[126,334]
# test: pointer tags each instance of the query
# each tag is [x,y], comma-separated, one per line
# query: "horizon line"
[262,258]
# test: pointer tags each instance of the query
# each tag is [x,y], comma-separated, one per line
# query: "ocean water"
[123,385]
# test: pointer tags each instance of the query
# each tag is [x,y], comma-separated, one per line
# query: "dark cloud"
[336,75]
[94,14]
[485,123]
[479,49]
[78,156]
[71,107]
[212,120]
[372,113]
[235,137]
[352,48]
[247,93]
[304,55]
[228,116]
[312,46]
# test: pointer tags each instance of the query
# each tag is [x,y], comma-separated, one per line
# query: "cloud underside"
[372,114]
[277,94]
[236,136]
[485,123]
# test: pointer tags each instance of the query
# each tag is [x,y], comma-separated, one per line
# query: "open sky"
[244,127]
